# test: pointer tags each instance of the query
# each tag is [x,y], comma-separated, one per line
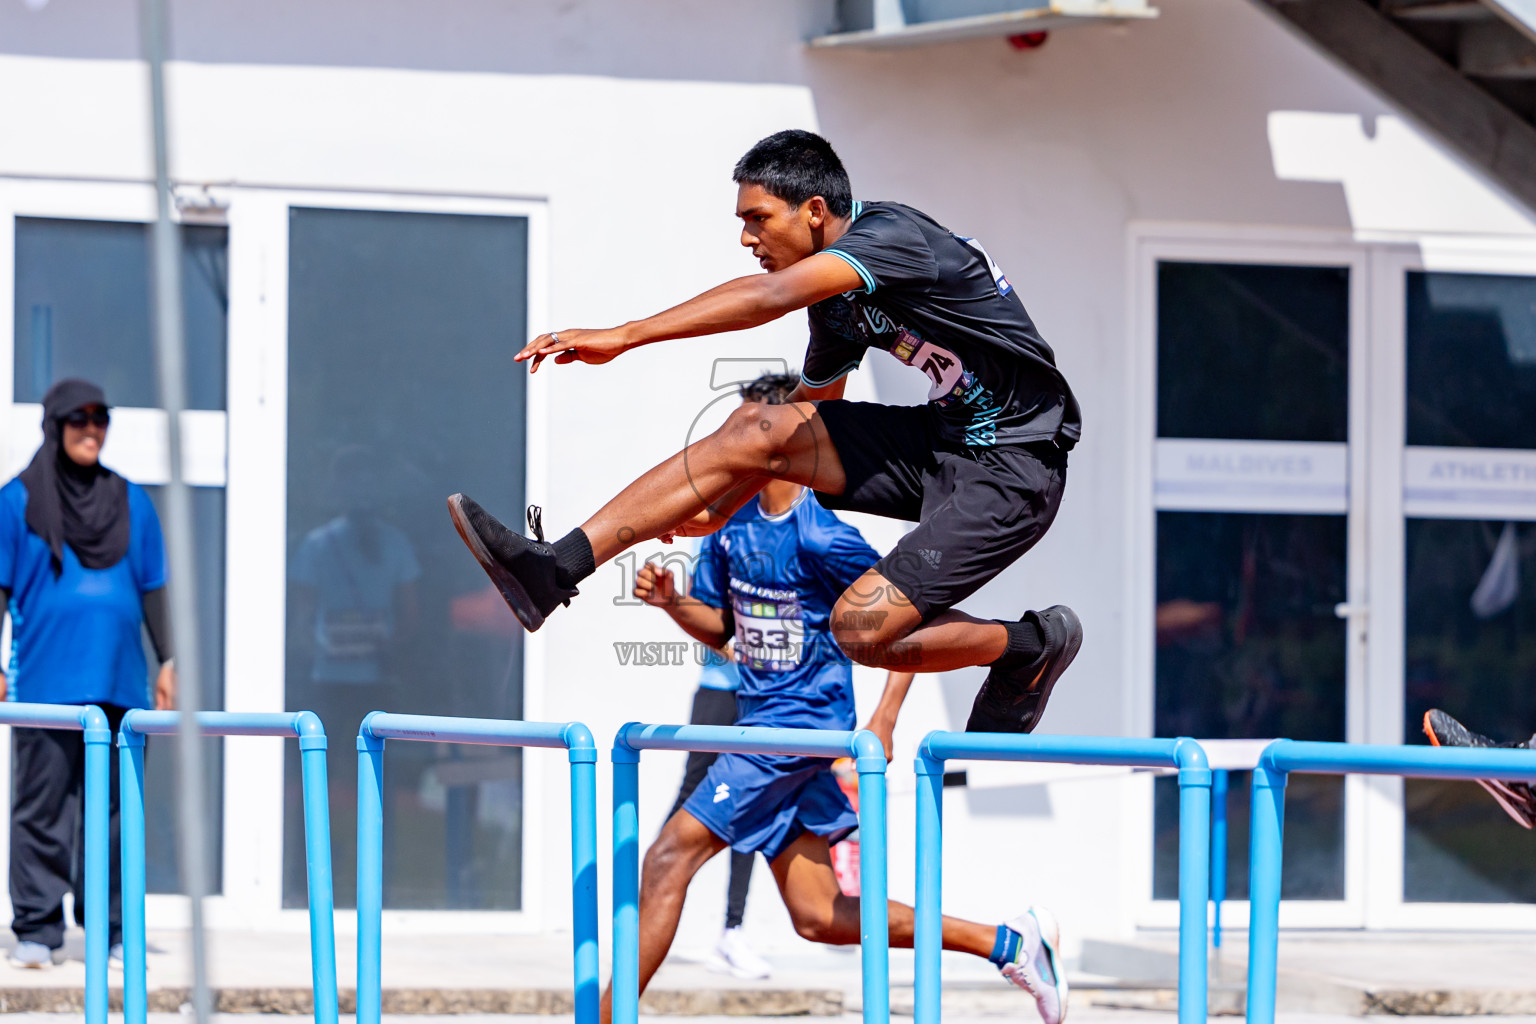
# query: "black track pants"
[48,832]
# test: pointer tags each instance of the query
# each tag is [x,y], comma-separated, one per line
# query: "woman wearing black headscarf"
[82,572]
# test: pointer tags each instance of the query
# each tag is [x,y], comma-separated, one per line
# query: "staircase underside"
[1463,69]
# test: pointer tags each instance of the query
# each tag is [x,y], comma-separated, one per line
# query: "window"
[401,391]
[82,309]
[1470,573]
[1251,549]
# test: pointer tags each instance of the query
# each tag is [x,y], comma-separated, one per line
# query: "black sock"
[573,558]
[1025,643]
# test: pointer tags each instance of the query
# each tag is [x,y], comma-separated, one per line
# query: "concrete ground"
[1078,1017]
[1399,973]
[1323,976]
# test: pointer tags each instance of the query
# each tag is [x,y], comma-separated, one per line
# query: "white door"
[377,336]
[1453,569]
[1254,543]
[74,302]
[293,299]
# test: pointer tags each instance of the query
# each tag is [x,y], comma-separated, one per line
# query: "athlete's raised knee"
[754,435]
[869,627]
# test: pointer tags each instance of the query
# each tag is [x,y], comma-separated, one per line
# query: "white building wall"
[625,119]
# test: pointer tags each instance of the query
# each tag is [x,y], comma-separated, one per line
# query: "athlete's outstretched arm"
[656,586]
[883,722]
[733,306]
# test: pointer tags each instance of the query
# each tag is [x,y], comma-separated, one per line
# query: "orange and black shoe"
[522,569]
[1517,798]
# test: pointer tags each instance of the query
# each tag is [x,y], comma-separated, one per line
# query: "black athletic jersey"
[936,301]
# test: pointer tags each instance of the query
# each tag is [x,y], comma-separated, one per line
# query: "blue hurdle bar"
[1220,778]
[1283,757]
[89,720]
[869,760]
[1194,841]
[581,751]
[303,725]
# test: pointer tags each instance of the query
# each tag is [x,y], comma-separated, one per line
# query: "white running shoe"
[733,956]
[32,955]
[1037,969]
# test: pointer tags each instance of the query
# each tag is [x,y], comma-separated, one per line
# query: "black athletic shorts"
[977,509]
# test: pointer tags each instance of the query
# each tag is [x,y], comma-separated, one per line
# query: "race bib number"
[942,367]
[770,630]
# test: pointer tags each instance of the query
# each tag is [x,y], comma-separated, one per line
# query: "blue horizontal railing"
[1185,756]
[1283,757]
[581,751]
[869,759]
[304,726]
[91,721]
[740,739]
[1182,754]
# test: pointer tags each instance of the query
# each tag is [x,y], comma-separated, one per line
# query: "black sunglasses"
[81,417]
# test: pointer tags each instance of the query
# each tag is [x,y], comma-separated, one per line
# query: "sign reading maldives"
[1251,476]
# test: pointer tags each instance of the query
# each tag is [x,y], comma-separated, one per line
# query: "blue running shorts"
[760,803]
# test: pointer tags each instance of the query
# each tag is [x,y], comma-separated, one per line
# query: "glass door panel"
[82,309]
[1252,352]
[401,391]
[1252,555]
[1470,568]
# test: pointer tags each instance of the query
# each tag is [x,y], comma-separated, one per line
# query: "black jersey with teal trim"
[780,576]
[936,301]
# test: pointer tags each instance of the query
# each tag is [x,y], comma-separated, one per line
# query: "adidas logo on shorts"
[931,556]
[722,792]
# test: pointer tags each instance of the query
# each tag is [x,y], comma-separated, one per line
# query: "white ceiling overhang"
[883,23]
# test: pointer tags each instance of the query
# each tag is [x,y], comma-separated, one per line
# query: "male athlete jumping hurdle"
[980,468]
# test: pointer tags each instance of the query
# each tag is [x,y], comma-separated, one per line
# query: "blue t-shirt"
[780,576]
[354,585]
[75,639]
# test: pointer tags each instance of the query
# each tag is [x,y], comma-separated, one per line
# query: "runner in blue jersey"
[775,578]
[768,582]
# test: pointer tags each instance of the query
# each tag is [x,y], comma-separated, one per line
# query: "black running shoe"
[1013,700]
[1517,798]
[522,569]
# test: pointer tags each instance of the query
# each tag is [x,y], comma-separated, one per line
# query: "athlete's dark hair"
[771,388]
[795,165]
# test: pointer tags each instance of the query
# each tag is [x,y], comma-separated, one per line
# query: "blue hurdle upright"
[306,727]
[1283,757]
[581,751]
[869,760]
[1194,841]
[1220,778]
[89,720]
